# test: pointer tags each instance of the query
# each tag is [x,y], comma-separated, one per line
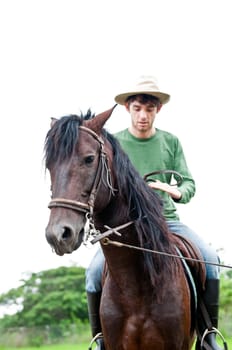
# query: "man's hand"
[163,186]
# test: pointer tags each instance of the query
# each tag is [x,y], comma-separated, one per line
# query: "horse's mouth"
[67,246]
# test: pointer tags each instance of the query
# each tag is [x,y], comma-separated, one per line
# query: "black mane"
[145,207]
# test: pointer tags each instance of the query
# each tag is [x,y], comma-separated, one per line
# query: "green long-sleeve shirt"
[161,151]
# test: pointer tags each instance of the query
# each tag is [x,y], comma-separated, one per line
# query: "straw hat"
[146,84]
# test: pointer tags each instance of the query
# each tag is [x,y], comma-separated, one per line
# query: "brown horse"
[146,298]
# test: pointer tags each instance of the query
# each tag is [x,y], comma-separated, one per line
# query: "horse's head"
[81,183]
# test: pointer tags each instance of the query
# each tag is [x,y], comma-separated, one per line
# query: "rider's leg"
[93,290]
[211,292]
[211,301]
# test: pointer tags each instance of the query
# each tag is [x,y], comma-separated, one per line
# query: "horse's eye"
[89,159]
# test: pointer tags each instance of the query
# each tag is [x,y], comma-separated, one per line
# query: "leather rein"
[178,176]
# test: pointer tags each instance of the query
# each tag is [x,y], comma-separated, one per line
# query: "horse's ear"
[96,124]
[53,121]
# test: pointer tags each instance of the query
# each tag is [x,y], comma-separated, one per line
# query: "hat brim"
[121,99]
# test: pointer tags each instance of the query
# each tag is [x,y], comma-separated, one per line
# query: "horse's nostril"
[84,194]
[66,234]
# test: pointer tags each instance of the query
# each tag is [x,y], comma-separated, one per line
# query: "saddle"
[193,258]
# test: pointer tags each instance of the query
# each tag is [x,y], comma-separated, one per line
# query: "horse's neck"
[124,264]
[114,215]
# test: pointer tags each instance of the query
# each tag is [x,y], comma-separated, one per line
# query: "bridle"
[88,207]
[99,176]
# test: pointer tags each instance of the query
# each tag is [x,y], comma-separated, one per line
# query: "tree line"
[48,297]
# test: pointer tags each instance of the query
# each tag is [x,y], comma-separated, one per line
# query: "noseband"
[102,165]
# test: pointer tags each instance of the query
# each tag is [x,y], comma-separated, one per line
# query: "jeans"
[95,269]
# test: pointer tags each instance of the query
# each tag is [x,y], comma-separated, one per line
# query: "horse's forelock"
[62,137]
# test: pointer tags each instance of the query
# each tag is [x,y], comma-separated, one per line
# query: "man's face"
[142,115]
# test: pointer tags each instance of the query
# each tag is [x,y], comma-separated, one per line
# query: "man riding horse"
[149,149]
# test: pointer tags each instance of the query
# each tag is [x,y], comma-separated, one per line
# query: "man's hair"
[144,99]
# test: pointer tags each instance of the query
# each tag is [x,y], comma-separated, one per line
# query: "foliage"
[226,290]
[50,297]
[225,323]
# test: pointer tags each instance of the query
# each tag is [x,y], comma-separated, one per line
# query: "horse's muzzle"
[63,239]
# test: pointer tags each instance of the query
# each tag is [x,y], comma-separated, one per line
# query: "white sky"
[62,56]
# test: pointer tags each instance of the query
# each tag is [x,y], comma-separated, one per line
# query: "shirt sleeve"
[187,187]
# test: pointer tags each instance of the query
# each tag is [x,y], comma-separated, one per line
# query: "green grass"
[80,346]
